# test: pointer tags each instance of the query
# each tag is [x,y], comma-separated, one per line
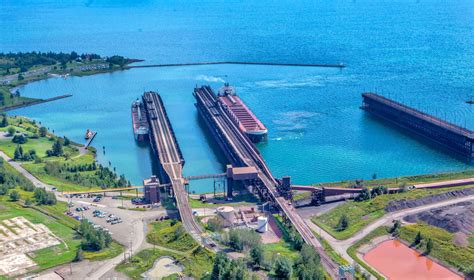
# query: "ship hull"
[139,122]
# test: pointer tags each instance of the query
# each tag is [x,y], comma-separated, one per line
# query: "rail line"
[242,152]
[167,149]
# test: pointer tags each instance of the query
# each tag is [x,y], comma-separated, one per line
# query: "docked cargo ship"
[139,121]
[247,121]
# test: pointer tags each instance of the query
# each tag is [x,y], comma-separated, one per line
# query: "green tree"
[219,266]
[14,195]
[418,238]
[429,246]
[21,77]
[343,223]
[56,150]
[395,230]
[215,224]
[282,268]
[4,122]
[11,131]
[256,255]
[308,265]
[43,197]
[19,139]
[28,202]
[66,141]
[3,189]
[240,239]
[43,131]
[18,154]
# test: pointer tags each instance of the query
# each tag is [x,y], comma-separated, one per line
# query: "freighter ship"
[247,121]
[140,121]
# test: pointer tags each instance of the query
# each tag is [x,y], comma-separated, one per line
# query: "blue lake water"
[418,52]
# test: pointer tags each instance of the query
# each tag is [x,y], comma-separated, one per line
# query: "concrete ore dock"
[455,138]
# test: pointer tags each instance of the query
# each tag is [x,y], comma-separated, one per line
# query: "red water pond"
[396,261]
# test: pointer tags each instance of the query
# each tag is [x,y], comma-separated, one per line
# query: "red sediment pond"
[397,261]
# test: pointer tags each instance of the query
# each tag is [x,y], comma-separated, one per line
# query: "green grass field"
[41,145]
[281,248]
[362,213]
[444,249]
[163,234]
[197,261]
[196,264]
[9,101]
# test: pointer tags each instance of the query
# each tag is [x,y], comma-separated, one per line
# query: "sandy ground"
[163,267]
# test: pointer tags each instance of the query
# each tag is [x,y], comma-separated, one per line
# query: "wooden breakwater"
[341,65]
[34,102]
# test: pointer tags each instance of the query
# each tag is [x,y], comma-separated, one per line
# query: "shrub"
[343,223]
[14,196]
[19,139]
[11,130]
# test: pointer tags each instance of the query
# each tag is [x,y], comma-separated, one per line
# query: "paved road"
[25,173]
[341,246]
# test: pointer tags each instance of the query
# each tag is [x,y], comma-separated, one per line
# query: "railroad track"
[248,155]
[166,147]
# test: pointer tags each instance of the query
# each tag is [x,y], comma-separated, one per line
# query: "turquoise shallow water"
[418,52]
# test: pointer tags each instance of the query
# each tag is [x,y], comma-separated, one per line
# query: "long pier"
[452,137]
[241,152]
[166,147]
[341,65]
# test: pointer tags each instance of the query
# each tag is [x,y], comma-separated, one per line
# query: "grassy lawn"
[164,234]
[64,179]
[352,251]
[40,145]
[9,101]
[281,248]
[197,261]
[444,249]
[330,251]
[196,264]
[37,169]
[362,213]
[114,250]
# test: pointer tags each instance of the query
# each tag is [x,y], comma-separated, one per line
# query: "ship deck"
[248,122]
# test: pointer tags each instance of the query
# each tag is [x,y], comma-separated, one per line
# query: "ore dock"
[453,137]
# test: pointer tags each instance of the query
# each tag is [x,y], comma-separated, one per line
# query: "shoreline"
[34,102]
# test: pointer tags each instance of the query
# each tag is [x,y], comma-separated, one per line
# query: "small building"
[152,189]
[239,174]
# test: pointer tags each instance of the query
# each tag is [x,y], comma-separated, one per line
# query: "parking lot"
[105,213]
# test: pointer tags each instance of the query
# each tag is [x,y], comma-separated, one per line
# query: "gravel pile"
[406,203]
[454,218]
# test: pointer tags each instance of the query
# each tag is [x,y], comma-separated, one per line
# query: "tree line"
[26,60]
[307,265]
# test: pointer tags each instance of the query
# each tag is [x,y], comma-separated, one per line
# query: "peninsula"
[17,69]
